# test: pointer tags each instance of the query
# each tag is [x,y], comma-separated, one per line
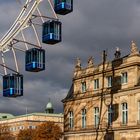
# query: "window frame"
[96,116]
[96,84]
[109,81]
[124,78]
[84,118]
[71,119]
[110,115]
[84,87]
[124,112]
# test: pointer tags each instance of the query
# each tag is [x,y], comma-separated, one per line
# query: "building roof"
[21,117]
[70,93]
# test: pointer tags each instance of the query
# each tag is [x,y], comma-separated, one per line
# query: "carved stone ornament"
[134,48]
[90,62]
[78,64]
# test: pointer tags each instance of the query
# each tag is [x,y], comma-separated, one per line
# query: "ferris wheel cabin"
[35,60]
[51,33]
[13,85]
[63,7]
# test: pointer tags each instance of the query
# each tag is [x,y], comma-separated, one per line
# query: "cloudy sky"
[93,26]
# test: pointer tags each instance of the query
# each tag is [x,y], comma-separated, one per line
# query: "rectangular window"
[33,127]
[71,121]
[30,127]
[96,84]
[109,81]
[83,86]
[83,118]
[96,116]
[14,128]
[110,114]
[124,78]
[20,127]
[139,112]
[124,113]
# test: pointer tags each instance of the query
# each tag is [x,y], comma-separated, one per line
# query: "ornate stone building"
[103,102]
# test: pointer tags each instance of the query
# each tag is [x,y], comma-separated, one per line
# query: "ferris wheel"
[34,53]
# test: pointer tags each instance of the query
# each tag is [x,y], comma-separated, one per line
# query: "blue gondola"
[35,60]
[13,85]
[63,7]
[51,33]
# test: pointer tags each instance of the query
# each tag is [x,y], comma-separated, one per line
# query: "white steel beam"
[20,23]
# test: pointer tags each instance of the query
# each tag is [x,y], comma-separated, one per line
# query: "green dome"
[49,105]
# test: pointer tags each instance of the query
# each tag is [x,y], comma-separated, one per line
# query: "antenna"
[26,110]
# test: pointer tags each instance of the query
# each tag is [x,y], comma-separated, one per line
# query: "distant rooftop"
[49,112]
[10,117]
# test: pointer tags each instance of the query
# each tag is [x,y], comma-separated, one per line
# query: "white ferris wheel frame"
[22,22]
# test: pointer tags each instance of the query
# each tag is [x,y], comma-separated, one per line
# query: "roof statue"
[90,62]
[117,49]
[134,48]
[78,64]
[117,53]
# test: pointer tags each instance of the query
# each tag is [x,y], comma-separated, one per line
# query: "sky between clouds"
[93,26]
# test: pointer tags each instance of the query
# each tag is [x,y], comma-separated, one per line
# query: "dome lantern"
[49,108]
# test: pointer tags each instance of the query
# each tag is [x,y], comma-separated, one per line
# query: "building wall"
[31,121]
[119,93]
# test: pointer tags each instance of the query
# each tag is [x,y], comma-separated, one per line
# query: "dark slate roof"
[70,93]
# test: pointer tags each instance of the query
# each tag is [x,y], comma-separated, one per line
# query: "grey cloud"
[92,27]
